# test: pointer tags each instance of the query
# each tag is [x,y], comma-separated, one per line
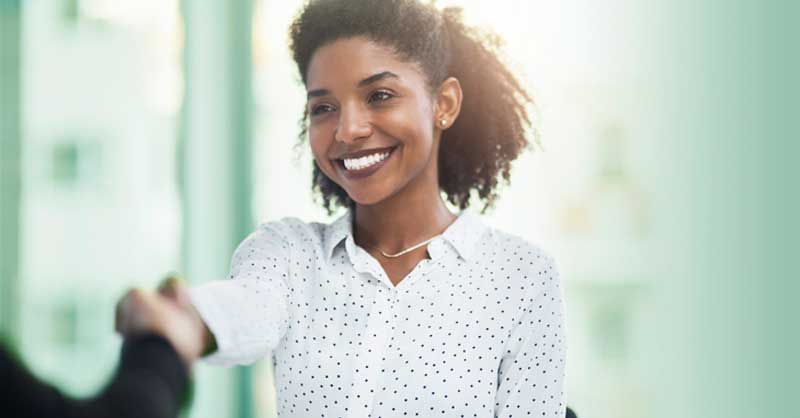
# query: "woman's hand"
[167,312]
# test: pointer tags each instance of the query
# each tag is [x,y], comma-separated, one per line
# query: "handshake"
[169,313]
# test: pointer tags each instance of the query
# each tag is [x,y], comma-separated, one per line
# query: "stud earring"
[443,122]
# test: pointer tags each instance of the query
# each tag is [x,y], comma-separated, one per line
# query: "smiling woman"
[400,305]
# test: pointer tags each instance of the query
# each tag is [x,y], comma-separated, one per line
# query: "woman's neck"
[402,221]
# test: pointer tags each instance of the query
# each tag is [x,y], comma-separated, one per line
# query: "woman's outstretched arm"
[248,313]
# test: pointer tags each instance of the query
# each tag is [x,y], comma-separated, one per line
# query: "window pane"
[100,211]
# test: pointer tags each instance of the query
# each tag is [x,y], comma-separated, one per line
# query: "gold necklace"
[407,250]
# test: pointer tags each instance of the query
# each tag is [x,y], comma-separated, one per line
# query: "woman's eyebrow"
[376,77]
[367,81]
[317,93]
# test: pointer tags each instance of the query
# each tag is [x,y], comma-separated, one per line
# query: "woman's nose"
[353,125]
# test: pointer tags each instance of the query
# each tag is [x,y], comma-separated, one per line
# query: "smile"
[363,164]
[365,161]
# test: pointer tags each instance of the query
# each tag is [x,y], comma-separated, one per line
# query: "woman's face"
[371,120]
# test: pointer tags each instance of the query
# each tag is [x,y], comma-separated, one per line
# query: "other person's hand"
[168,313]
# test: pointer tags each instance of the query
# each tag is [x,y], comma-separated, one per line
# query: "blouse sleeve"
[531,377]
[249,313]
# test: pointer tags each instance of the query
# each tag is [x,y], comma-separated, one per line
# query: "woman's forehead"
[350,61]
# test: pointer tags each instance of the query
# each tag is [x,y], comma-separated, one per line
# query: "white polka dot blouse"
[476,330]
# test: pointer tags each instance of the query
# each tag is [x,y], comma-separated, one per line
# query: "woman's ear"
[448,103]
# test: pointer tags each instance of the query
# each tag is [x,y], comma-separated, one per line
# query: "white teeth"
[364,162]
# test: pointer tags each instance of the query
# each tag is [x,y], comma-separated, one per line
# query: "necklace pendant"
[407,250]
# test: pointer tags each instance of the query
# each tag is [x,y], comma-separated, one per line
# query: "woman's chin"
[367,197]
[365,200]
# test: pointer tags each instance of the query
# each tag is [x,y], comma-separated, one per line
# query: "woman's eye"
[380,96]
[321,108]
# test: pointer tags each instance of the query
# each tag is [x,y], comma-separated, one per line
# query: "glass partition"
[100,210]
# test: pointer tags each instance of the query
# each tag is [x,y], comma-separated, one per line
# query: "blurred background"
[142,137]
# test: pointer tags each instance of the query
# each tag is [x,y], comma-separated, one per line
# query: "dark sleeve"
[25,396]
[150,381]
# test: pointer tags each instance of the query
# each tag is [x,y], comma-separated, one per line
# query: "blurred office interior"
[143,137]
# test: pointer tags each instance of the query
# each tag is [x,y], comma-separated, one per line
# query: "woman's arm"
[247,315]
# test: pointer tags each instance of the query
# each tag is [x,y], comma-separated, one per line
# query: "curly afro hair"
[475,154]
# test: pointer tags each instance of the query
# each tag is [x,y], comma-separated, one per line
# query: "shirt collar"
[463,234]
[336,232]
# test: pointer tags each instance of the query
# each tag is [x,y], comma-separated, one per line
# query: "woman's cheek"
[325,165]
[316,139]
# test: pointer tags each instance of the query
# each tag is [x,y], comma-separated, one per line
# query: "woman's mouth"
[365,164]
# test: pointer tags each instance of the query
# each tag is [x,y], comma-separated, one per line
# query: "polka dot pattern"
[476,330]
